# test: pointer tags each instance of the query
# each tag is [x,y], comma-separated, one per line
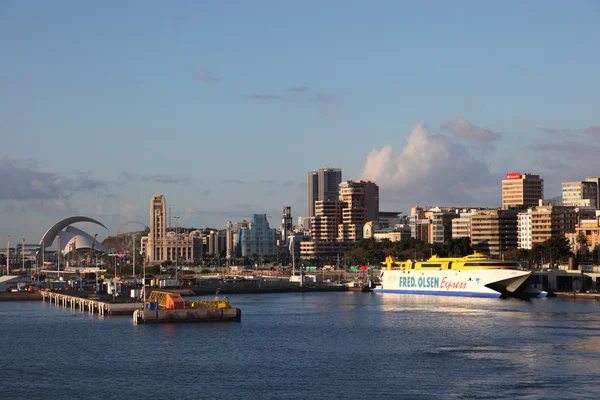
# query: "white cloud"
[430,169]
[461,128]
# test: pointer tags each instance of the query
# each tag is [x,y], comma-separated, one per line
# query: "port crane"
[91,253]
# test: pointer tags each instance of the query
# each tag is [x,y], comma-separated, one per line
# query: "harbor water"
[310,346]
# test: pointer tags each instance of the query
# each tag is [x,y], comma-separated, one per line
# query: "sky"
[224,107]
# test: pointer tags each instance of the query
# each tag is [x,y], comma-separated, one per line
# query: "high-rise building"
[362,201]
[494,231]
[521,190]
[322,185]
[580,194]
[354,213]
[324,230]
[596,180]
[329,183]
[313,192]
[161,245]
[371,200]
[324,225]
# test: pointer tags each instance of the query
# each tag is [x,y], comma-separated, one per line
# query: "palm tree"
[581,241]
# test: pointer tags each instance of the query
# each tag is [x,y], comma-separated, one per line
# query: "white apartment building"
[524,230]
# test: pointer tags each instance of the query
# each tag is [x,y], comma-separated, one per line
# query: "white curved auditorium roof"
[71,235]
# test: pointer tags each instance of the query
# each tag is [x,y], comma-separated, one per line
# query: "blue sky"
[224,107]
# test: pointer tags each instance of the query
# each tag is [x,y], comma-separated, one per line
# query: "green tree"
[537,254]
[512,254]
[526,255]
[458,247]
[356,256]
[556,249]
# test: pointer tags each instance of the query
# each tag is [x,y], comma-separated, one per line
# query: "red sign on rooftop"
[513,175]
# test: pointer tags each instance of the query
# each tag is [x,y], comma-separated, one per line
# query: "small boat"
[355,286]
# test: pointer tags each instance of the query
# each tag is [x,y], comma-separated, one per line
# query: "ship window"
[431,265]
[492,264]
[449,265]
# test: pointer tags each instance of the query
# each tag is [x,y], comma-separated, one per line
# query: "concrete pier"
[90,305]
[576,295]
[187,315]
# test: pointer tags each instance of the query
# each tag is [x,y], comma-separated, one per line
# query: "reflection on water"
[322,345]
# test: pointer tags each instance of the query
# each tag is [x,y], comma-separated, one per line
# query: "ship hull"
[439,293]
[465,283]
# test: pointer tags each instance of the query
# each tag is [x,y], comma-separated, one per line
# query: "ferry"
[473,276]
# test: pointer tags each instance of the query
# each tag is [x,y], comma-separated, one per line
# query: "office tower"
[521,190]
[313,192]
[371,200]
[323,185]
[596,180]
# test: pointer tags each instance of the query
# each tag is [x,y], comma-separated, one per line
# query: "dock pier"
[91,306]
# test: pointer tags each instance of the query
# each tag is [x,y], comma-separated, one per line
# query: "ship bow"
[510,285]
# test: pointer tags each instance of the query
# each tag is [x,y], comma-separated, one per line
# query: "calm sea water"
[310,346]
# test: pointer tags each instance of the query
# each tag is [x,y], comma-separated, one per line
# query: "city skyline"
[205,104]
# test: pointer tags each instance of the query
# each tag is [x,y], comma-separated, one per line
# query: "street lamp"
[144,281]
[58,261]
[176,246]
[134,258]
